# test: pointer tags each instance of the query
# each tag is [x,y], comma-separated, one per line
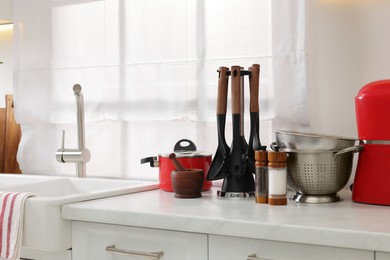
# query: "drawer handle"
[152,255]
[254,257]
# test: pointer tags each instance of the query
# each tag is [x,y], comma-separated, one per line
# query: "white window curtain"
[148,69]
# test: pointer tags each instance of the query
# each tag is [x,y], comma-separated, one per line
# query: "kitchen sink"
[16,179]
[44,229]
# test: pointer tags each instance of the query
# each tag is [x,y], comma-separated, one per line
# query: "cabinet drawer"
[90,242]
[231,248]
[382,256]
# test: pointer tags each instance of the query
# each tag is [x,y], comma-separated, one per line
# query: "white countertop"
[342,224]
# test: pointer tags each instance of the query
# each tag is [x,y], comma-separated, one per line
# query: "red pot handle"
[153,161]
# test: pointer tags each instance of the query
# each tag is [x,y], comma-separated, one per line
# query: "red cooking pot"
[186,153]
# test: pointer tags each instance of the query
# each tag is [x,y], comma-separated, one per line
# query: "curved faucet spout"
[80,166]
[80,116]
[81,155]
[76,89]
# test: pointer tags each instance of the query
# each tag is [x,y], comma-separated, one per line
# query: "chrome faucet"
[81,155]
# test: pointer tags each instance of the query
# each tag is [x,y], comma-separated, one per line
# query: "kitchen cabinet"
[107,242]
[233,248]
[212,228]
[91,241]
[382,256]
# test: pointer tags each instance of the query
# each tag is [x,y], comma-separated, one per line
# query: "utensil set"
[236,163]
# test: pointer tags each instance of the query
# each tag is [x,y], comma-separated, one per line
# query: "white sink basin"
[44,229]
[16,179]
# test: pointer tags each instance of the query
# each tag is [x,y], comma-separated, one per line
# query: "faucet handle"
[60,152]
[72,155]
[63,139]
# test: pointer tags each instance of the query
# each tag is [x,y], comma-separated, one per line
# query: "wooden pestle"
[178,165]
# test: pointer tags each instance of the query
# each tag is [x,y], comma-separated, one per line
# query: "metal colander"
[318,165]
[317,176]
[318,173]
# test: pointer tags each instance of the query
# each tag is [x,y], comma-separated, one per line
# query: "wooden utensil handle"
[254,88]
[222,90]
[236,93]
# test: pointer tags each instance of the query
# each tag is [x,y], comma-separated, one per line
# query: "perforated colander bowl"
[318,173]
[318,165]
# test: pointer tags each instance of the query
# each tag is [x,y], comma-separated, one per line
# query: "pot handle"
[153,161]
[184,145]
[354,149]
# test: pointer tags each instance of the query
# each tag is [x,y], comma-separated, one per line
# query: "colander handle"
[354,149]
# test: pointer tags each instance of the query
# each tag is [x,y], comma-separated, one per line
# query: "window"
[148,72]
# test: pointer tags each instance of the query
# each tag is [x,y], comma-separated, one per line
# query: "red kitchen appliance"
[372,179]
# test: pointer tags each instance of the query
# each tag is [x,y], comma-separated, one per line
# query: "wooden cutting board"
[10,135]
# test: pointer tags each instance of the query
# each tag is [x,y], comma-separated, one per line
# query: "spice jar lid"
[277,157]
[261,155]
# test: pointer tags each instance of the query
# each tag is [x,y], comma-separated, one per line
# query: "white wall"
[374,37]
[6,53]
[348,46]
[6,10]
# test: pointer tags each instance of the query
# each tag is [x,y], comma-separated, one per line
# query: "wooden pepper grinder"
[261,177]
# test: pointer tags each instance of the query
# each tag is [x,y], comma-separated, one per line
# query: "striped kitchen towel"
[11,223]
